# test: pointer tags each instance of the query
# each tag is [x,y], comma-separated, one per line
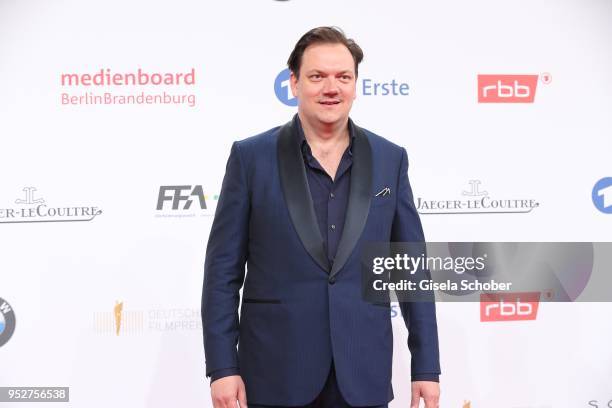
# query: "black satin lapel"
[360,196]
[297,194]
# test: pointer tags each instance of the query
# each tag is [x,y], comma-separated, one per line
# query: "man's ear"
[293,83]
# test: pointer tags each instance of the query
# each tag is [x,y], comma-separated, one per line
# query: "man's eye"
[315,76]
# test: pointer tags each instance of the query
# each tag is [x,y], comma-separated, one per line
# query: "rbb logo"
[496,307]
[283,90]
[175,194]
[507,88]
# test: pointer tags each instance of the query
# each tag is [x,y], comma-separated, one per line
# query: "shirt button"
[333,226]
[332,195]
[332,280]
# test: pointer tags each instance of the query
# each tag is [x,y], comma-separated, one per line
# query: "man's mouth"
[329,102]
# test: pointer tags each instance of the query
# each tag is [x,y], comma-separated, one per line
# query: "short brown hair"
[322,35]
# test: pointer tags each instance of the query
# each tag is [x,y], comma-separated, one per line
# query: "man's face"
[326,87]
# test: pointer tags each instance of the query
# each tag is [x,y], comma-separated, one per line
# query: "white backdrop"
[64,278]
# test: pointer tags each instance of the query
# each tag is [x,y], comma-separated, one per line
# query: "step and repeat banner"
[116,121]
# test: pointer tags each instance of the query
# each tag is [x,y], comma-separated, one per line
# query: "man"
[297,205]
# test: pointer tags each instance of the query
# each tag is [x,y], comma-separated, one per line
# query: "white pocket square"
[385,191]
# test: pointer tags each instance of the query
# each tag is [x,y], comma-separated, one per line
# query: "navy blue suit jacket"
[298,311]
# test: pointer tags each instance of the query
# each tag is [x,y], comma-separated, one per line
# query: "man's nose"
[330,86]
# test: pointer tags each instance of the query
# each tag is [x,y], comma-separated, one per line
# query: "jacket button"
[332,280]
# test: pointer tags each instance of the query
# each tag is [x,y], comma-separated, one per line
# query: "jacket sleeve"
[224,267]
[419,317]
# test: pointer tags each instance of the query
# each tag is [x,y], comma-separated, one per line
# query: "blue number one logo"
[283,90]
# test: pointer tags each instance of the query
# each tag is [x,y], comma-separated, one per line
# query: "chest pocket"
[382,196]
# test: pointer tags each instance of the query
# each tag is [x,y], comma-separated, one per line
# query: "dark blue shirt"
[330,197]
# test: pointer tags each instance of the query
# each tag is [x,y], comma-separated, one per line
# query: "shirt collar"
[306,152]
